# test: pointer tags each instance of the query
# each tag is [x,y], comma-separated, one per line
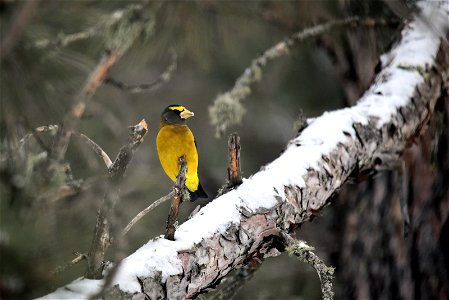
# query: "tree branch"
[146,211]
[53,128]
[79,257]
[234,172]
[247,222]
[71,120]
[104,230]
[96,148]
[120,31]
[176,200]
[63,40]
[40,129]
[305,253]
[227,109]
[142,88]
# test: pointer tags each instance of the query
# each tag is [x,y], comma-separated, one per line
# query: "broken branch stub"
[176,200]
[105,220]
[234,170]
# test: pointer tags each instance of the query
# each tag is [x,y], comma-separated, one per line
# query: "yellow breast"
[172,142]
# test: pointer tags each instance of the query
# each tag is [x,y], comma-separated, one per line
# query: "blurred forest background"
[214,42]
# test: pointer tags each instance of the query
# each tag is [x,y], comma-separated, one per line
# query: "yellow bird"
[174,140]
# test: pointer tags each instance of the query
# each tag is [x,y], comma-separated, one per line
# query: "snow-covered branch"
[334,148]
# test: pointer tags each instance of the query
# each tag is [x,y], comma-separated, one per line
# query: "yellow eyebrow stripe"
[180,108]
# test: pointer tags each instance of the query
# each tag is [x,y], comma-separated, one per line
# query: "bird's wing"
[196,147]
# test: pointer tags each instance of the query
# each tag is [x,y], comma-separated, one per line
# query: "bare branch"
[53,128]
[62,40]
[234,170]
[73,187]
[176,200]
[305,253]
[146,211]
[104,228]
[108,232]
[103,28]
[120,30]
[79,257]
[96,148]
[136,132]
[71,120]
[227,109]
[48,128]
[142,88]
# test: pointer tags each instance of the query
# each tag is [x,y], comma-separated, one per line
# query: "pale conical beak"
[185,114]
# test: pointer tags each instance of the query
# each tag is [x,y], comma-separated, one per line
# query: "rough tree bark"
[378,223]
[394,227]
[105,228]
[337,147]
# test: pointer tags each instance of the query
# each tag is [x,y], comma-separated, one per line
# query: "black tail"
[199,193]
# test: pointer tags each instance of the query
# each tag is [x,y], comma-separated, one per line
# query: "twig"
[53,128]
[79,257]
[162,78]
[39,140]
[176,200]
[227,109]
[115,29]
[93,82]
[146,211]
[63,40]
[305,253]
[136,132]
[104,228]
[71,120]
[234,171]
[194,212]
[40,129]
[96,148]
[120,31]
[111,229]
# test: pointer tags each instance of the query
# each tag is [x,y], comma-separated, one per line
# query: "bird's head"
[176,114]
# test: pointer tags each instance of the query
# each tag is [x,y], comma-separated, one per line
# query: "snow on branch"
[248,221]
